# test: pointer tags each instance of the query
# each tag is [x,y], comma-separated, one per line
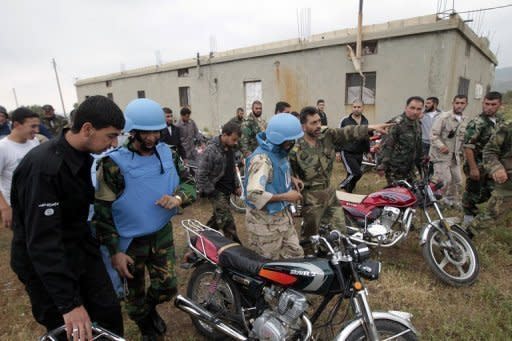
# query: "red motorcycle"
[384,218]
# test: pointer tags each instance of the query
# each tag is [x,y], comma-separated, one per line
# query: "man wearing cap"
[5,129]
[54,123]
[140,187]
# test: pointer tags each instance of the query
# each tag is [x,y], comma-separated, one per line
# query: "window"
[356,90]
[184,92]
[252,92]
[183,72]
[468,48]
[369,47]
[108,83]
[141,94]
[110,96]
[463,86]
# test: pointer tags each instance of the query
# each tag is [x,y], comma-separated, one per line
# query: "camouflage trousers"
[449,172]
[499,213]
[393,175]
[320,208]
[476,192]
[272,236]
[222,219]
[156,253]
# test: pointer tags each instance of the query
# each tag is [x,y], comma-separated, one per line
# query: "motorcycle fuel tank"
[310,275]
[392,196]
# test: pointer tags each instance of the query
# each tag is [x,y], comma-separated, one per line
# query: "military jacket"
[250,128]
[497,154]
[478,132]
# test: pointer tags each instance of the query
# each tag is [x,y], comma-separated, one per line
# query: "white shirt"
[11,154]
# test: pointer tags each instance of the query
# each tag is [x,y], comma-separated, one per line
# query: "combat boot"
[157,321]
[147,330]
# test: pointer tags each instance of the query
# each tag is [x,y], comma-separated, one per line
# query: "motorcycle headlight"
[369,269]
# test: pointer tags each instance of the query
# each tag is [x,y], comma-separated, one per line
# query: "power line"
[481,9]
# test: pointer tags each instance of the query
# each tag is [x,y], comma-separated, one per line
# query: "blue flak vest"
[281,175]
[135,213]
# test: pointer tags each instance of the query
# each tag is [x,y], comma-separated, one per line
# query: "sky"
[89,38]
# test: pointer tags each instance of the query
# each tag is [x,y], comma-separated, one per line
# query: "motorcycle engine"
[283,318]
[381,226]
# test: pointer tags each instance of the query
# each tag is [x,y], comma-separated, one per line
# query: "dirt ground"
[483,311]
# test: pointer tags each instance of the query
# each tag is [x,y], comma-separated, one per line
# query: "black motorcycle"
[235,292]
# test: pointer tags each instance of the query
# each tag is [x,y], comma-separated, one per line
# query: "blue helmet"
[283,127]
[144,114]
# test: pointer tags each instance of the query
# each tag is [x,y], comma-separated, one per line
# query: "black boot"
[147,329]
[158,322]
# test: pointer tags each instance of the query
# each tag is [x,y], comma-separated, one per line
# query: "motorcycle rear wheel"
[237,203]
[387,330]
[456,270]
[225,298]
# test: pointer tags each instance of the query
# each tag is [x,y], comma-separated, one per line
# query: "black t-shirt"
[226,184]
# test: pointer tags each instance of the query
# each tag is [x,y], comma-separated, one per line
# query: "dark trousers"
[352,163]
[426,148]
[96,292]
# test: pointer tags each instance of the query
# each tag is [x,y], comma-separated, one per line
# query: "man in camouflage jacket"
[401,149]
[478,132]
[54,123]
[253,125]
[312,160]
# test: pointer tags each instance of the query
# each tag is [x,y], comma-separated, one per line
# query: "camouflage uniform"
[237,121]
[54,124]
[250,128]
[478,132]
[154,251]
[272,236]
[313,165]
[401,149]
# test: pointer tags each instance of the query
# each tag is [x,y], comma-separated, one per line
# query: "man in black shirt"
[53,252]
[320,105]
[217,180]
[171,134]
[352,153]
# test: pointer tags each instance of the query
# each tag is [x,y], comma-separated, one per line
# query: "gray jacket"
[212,165]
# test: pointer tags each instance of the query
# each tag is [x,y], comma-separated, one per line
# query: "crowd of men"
[47,193]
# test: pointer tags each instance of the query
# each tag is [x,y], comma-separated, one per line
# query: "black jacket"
[50,197]
[173,139]
[357,146]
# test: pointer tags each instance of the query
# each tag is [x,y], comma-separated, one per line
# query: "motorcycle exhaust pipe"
[196,310]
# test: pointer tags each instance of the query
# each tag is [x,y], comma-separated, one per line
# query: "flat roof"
[391,29]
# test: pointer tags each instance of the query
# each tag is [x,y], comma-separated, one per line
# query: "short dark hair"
[239,109]
[185,111]
[255,102]
[307,111]
[21,114]
[230,128]
[492,95]
[47,107]
[281,105]
[320,101]
[434,99]
[167,110]
[100,111]
[415,98]
[296,114]
[461,96]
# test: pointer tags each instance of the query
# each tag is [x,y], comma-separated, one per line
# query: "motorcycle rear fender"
[435,224]
[396,316]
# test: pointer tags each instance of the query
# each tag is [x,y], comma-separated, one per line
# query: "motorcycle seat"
[349,197]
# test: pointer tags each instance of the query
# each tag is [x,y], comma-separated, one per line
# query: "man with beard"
[171,134]
[53,123]
[447,138]
[239,117]
[320,105]
[140,187]
[427,120]
[252,126]
[268,184]
[311,160]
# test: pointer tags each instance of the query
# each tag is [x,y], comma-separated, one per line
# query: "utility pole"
[15,97]
[58,86]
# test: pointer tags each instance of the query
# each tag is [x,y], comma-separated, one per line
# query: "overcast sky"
[94,37]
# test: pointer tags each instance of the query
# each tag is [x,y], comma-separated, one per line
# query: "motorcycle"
[98,333]
[384,218]
[238,202]
[370,159]
[233,292]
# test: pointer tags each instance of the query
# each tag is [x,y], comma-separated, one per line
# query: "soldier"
[311,160]
[447,138]
[320,105]
[252,126]
[239,117]
[478,132]
[401,149]
[216,178]
[54,123]
[268,184]
[140,185]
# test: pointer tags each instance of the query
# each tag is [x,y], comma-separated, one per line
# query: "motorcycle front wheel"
[217,295]
[388,330]
[455,265]
[237,203]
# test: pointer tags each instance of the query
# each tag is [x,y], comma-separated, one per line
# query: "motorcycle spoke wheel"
[456,265]
[388,330]
[237,203]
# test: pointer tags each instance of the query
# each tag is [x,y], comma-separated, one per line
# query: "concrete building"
[424,56]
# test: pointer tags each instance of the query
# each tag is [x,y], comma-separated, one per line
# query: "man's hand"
[78,324]
[338,157]
[474,174]
[444,150]
[298,184]
[6,213]
[120,262]
[381,128]
[168,202]
[500,176]
[292,196]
